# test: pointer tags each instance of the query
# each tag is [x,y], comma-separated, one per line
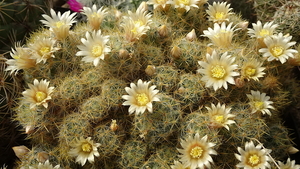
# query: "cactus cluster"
[184,84]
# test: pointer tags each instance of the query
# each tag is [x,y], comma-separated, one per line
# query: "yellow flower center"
[184,2]
[250,71]
[219,119]
[218,72]
[196,152]
[40,96]
[277,50]
[95,15]
[259,105]
[97,50]
[59,24]
[16,57]
[220,15]
[264,32]
[86,147]
[44,50]
[142,99]
[253,160]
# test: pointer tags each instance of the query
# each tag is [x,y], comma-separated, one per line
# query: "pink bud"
[75,6]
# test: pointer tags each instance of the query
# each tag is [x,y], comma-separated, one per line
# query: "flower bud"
[118,14]
[150,70]
[42,156]
[20,151]
[176,52]
[29,129]
[209,50]
[191,36]
[143,7]
[114,126]
[163,31]
[243,25]
[240,82]
[293,150]
[123,53]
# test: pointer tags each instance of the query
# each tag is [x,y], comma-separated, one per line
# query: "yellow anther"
[142,99]
[44,50]
[254,160]
[277,51]
[40,96]
[184,2]
[220,15]
[218,72]
[264,33]
[250,71]
[97,50]
[196,152]
[259,105]
[87,147]
[59,24]
[219,119]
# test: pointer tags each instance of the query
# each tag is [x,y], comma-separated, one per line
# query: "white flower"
[219,116]
[288,165]
[95,16]
[59,24]
[21,59]
[94,47]
[253,157]
[136,24]
[43,49]
[159,3]
[196,152]
[38,94]
[277,48]
[262,31]
[260,102]
[140,97]
[219,12]
[217,71]
[221,36]
[47,165]
[185,4]
[252,70]
[84,149]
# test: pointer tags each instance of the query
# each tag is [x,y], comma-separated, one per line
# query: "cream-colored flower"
[94,47]
[46,165]
[38,94]
[84,149]
[95,16]
[260,32]
[277,48]
[260,102]
[219,12]
[136,24]
[43,49]
[178,165]
[196,152]
[140,97]
[219,116]
[185,4]
[59,24]
[221,36]
[288,165]
[21,59]
[252,69]
[217,71]
[253,157]
[159,3]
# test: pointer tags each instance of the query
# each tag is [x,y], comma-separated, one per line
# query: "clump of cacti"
[184,85]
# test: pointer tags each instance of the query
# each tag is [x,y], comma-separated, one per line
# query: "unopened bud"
[163,31]
[240,82]
[29,129]
[42,156]
[293,150]
[243,25]
[176,52]
[209,50]
[150,70]
[123,54]
[118,14]
[191,36]
[114,126]
[20,151]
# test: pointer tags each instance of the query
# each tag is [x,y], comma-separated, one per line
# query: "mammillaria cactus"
[149,89]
